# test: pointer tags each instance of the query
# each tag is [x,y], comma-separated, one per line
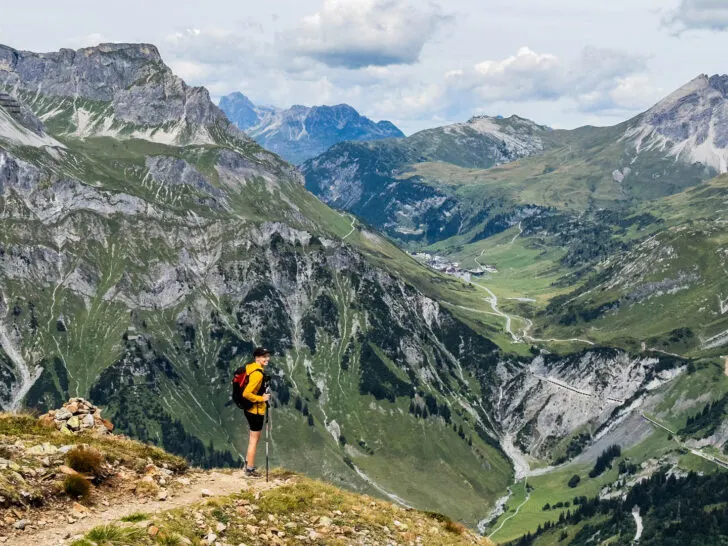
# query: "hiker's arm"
[256,378]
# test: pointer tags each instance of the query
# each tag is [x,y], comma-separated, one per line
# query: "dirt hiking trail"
[202,485]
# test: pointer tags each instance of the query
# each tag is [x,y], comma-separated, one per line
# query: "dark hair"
[261,351]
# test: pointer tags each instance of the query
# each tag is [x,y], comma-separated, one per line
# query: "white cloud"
[627,96]
[215,45]
[190,70]
[698,15]
[360,33]
[598,79]
[525,75]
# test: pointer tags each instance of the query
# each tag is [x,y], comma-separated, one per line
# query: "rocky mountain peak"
[512,123]
[302,132]
[240,109]
[689,124]
[140,96]
[719,82]
[96,73]
[146,52]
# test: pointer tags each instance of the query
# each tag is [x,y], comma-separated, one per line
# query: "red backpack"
[241,378]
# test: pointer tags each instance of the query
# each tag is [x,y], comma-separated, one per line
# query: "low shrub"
[85,460]
[77,486]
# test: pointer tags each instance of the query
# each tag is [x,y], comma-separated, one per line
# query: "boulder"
[42,449]
[74,423]
[63,415]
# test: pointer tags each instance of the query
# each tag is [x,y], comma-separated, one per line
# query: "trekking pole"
[267,433]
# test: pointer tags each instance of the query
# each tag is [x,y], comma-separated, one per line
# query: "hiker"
[255,403]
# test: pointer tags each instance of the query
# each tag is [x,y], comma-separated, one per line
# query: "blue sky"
[563,63]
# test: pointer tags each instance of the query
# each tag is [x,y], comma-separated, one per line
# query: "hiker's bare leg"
[252,446]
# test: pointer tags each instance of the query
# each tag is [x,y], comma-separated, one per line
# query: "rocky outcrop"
[689,124]
[119,90]
[542,402]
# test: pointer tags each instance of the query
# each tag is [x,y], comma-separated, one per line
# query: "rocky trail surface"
[63,526]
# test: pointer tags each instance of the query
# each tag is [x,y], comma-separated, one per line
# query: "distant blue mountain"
[300,133]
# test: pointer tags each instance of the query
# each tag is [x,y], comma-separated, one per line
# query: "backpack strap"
[262,383]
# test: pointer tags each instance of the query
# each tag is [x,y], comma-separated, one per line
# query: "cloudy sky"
[418,63]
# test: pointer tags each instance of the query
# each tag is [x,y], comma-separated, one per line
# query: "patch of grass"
[221,516]
[85,459]
[77,486]
[113,535]
[146,488]
[448,524]
[172,539]
[136,517]
[288,498]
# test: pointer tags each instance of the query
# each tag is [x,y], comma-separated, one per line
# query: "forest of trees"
[675,511]
[604,461]
[709,419]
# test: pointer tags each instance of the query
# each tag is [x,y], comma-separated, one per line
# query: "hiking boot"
[252,473]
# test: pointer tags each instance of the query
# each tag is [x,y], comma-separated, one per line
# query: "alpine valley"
[147,244]
[577,241]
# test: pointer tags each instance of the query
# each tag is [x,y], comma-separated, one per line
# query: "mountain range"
[299,133]
[147,244]
[589,198]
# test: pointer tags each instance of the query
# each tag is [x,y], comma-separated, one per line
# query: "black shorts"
[255,421]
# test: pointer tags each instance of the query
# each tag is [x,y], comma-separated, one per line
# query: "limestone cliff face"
[115,90]
[689,124]
[541,402]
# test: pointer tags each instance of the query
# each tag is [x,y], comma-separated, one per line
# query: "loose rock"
[75,416]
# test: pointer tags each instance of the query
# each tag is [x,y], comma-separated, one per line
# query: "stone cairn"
[77,415]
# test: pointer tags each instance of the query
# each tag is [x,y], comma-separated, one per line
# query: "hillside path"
[518,509]
[353,228]
[217,483]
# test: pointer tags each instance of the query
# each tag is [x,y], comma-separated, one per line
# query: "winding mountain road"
[492,299]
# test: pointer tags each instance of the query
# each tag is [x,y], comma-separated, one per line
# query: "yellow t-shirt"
[254,381]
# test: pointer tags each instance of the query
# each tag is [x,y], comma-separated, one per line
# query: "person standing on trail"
[256,399]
